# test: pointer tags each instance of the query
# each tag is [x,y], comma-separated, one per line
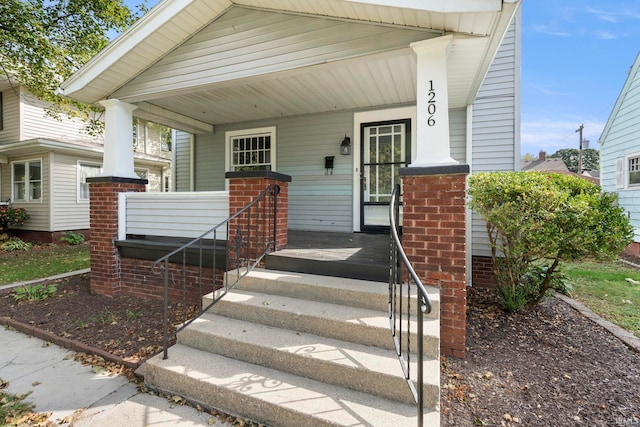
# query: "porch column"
[103,223]
[432,103]
[434,238]
[118,137]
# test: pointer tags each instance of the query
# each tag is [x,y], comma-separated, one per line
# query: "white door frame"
[370,117]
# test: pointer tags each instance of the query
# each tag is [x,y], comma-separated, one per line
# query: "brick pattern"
[433,229]
[258,222]
[482,272]
[103,221]
[186,286]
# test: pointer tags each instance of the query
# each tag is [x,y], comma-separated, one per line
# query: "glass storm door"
[384,152]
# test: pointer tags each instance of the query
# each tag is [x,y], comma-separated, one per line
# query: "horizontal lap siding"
[176,214]
[182,165]
[69,213]
[11,118]
[495,118]
[622,140]
[36,124]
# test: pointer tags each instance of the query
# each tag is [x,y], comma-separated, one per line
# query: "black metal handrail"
[404,286]
[250,235]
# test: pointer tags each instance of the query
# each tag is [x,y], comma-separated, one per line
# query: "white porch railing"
[179,214]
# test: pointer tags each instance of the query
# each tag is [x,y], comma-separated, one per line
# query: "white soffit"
[172,22]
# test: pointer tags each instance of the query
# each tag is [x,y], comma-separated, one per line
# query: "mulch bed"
[549,366]
[123,328]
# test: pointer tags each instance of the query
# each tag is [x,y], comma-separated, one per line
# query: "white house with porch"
[336,101]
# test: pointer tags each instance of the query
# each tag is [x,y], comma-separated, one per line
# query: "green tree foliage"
[537,220]
[590,158]
[42,42]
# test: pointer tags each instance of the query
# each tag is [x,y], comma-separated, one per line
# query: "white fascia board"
[151,22]
[448,6]
[167,117]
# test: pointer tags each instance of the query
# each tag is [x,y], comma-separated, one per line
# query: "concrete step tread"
[353,292]
[271,396]
[314,317]
[338,362]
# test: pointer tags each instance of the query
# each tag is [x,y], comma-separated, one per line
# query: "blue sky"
[575,59]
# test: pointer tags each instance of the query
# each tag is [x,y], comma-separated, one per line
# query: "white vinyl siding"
[36,124]
[38,210]
[496,139]
[11,115]
[182,161]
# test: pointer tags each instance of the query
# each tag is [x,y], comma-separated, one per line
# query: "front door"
[385,149]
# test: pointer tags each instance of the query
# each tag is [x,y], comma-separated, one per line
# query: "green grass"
[604,289]
[37,263]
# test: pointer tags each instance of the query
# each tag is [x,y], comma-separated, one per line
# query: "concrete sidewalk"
[76,393]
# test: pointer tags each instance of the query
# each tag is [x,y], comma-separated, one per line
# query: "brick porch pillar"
[246,186]
[103,222]
[434,230]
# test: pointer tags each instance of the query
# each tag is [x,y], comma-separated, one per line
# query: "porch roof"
[374,65]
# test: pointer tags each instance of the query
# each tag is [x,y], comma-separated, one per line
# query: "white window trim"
[625,169]
[13,196]
[78,164]
[248,132]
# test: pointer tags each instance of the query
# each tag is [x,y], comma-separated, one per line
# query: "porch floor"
[353,255]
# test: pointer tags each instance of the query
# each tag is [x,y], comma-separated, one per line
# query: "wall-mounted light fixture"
[345,146]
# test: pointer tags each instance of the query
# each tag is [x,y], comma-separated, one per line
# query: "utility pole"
[580,150]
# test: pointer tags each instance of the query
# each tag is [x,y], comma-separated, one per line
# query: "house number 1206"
[431,104]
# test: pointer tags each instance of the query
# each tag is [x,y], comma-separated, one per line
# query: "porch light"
[345,146]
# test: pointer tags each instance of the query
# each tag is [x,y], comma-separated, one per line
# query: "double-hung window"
[251,150]
[633,168]
[86,170]
[26,180]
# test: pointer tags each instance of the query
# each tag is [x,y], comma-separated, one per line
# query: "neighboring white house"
[282,85]
[44,163]
[620,151]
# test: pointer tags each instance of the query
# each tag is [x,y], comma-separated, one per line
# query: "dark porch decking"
[351,255]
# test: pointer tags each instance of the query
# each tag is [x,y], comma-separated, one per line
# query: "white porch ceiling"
[348,66]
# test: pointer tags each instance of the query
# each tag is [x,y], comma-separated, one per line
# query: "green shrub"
[34,292]
[72,238]
[15,244]
[12,216]
[536,220]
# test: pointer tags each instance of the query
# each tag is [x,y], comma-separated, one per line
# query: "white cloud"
[605,35]
[546,30]
[552,135]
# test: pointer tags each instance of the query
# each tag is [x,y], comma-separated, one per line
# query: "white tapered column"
[118,145]
[432,103]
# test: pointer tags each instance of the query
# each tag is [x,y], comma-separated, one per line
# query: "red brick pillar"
[245,187]
[103,222]
[434,238]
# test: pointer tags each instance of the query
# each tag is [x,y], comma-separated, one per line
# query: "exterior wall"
[38,210]
[11,117]
[182,162]
[36,124]
[620,139]
[496,122]
[68,213]
[316,201]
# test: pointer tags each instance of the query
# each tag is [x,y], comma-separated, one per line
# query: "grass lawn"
[604,289]
[42,261]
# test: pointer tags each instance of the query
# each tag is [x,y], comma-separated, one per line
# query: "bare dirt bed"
[546,367]
[127,327]
[549,366]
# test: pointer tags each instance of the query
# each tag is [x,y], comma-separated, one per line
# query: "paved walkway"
[76,393]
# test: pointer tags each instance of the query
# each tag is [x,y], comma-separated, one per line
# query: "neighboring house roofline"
[614,112]
[28,146]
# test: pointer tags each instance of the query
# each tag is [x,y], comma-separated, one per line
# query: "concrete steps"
[289,349]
